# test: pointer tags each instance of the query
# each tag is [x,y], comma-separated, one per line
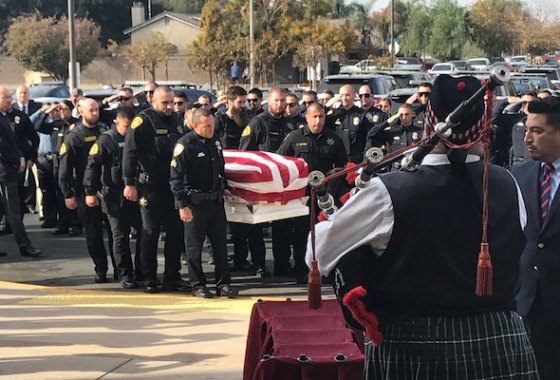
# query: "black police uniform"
[295,122]
[48,166]
[243,234]
[73,159]
[253,113]
[323,151]
[147,154]
[103,177]
[508,132]
[198,182]
[352,126]
[266,133]
[28,141]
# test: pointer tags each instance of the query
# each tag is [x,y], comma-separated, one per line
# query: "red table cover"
[284,330]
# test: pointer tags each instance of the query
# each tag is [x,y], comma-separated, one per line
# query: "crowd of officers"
[162,168]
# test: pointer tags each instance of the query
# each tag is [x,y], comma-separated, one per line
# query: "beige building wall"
[177,33]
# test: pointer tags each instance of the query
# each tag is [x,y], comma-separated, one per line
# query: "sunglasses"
[291,104]
[364,95]
[252,100]
[124,98]
[178,103]
[427,94]
[309,102]
[149,92]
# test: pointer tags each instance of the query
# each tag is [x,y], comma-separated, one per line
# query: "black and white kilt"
[484,346]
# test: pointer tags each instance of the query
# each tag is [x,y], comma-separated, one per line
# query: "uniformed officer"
[103,185]
[367,101]
[28,141]
[73,160]
[246,237]
[254,102]
[350,124]
[419,101]
[322,150]
[266,132]
[507,145]
[198,182]
[147,154]
[294,119]
[57,127]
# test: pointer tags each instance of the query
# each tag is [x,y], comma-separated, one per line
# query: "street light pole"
[72,72]
[251,45]
[392,32]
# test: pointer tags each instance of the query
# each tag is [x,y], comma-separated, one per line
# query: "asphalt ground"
[56,323]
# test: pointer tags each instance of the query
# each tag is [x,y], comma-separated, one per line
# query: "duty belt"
[199,196]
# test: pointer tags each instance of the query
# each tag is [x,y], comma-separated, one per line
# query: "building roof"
[188,19]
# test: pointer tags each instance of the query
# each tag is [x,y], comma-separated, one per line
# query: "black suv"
[379,84]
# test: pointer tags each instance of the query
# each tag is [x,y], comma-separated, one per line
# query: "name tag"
[160,131]
[90,138]
[201,154]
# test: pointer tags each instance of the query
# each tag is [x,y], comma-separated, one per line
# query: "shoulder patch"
[136,122]
[246,131]
[330,112]
[94,149]
[173,163]
[179,148]
[62,151]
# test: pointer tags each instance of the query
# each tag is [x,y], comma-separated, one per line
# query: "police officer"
[56,127]
[28,141]
[322,150]
[148,149]
[254,102]
[507,146]
[350,124]
[294,119]
[419,101]
[266,132]
[73,159]
[373,114]
[104,185]
[198,182]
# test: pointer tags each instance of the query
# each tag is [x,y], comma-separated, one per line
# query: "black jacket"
[10,154]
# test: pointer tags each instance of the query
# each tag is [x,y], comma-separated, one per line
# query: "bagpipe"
[352,282]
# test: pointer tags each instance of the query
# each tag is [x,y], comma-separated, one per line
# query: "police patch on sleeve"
[94,149]
[136,122]
[62,151]
[173,163]
[246,131]
[179,148]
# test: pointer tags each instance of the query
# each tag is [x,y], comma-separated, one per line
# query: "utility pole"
[149,9]
[72,72]
[251,45]
[392,33]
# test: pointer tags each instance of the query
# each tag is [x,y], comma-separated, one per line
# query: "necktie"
[546,184]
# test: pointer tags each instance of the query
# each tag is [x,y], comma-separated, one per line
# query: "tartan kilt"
[485,346]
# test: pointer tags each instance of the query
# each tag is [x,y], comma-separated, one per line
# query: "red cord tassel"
[484,272]
[367,319]
[314,287]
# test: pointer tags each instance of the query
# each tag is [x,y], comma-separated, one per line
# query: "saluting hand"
[92,201]
[130,193]
[186,214]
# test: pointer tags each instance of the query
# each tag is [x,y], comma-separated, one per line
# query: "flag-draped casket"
[264,186]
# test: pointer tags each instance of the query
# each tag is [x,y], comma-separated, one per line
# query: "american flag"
[260,177]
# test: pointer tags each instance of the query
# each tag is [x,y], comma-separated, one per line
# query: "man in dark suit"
[538,300]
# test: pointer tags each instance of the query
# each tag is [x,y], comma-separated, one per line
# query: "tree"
[494,24]
[41,44]
[149,54]
[414,39]
[448,30]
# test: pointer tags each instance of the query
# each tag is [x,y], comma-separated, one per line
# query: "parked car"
[49,90]
[550,72]
[518,62]
[444,68]
[405,78]
[381,85]
[479,64]
[362,66]
[409,63]
[524,83]
[460,65]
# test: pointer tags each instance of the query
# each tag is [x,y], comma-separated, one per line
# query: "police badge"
[356,121]
[17,120]
[218,145]
[143,202]
[330,141]
[415,136]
